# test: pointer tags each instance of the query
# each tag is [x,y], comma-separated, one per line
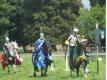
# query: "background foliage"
[21,20]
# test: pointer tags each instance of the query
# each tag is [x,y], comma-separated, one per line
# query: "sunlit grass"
[25,71]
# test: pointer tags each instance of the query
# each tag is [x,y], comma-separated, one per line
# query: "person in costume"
[6,48]
[72,43]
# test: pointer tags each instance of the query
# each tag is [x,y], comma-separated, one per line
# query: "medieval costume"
[72,42]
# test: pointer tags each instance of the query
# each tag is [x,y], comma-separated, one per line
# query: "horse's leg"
[46,70]
[43,71]
[71,66]
[71,63]
[8,69]
[84,65]
[34,74]
[14,66]
[77,69]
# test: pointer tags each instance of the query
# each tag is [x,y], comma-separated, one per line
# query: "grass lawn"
[25,71]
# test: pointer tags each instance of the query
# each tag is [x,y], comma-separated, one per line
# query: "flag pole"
[67,52]
[97,42]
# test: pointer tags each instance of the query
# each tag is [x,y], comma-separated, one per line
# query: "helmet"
[41,35]
[76,30]
[7,39]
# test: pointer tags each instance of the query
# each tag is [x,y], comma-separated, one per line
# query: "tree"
[87,20]
[10,14]
[5,12]
[95,2]
[56,17]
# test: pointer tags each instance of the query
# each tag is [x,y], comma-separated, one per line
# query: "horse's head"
[45,46]
[14,45]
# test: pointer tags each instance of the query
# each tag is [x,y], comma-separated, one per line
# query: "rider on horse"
[9,54]
[77,55]
[38,53]
[40,57]
[6,48]
[72,40]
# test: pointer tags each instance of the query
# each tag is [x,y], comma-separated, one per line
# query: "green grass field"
[25,71]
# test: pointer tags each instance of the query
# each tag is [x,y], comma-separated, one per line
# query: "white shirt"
[72,40]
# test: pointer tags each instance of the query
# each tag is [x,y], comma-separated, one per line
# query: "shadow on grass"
[38,76]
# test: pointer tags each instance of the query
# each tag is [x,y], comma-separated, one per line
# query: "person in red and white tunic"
[84,42]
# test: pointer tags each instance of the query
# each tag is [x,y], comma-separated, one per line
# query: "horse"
[78,58]
[35,59]
[11,58]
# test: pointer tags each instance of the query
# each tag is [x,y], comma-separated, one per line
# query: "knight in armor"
[6,47]
[9,53]
[40,54]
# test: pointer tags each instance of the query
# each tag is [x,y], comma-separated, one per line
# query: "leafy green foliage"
[10,17]
[86,22]
[53,16]
[21,20]
[100,2]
